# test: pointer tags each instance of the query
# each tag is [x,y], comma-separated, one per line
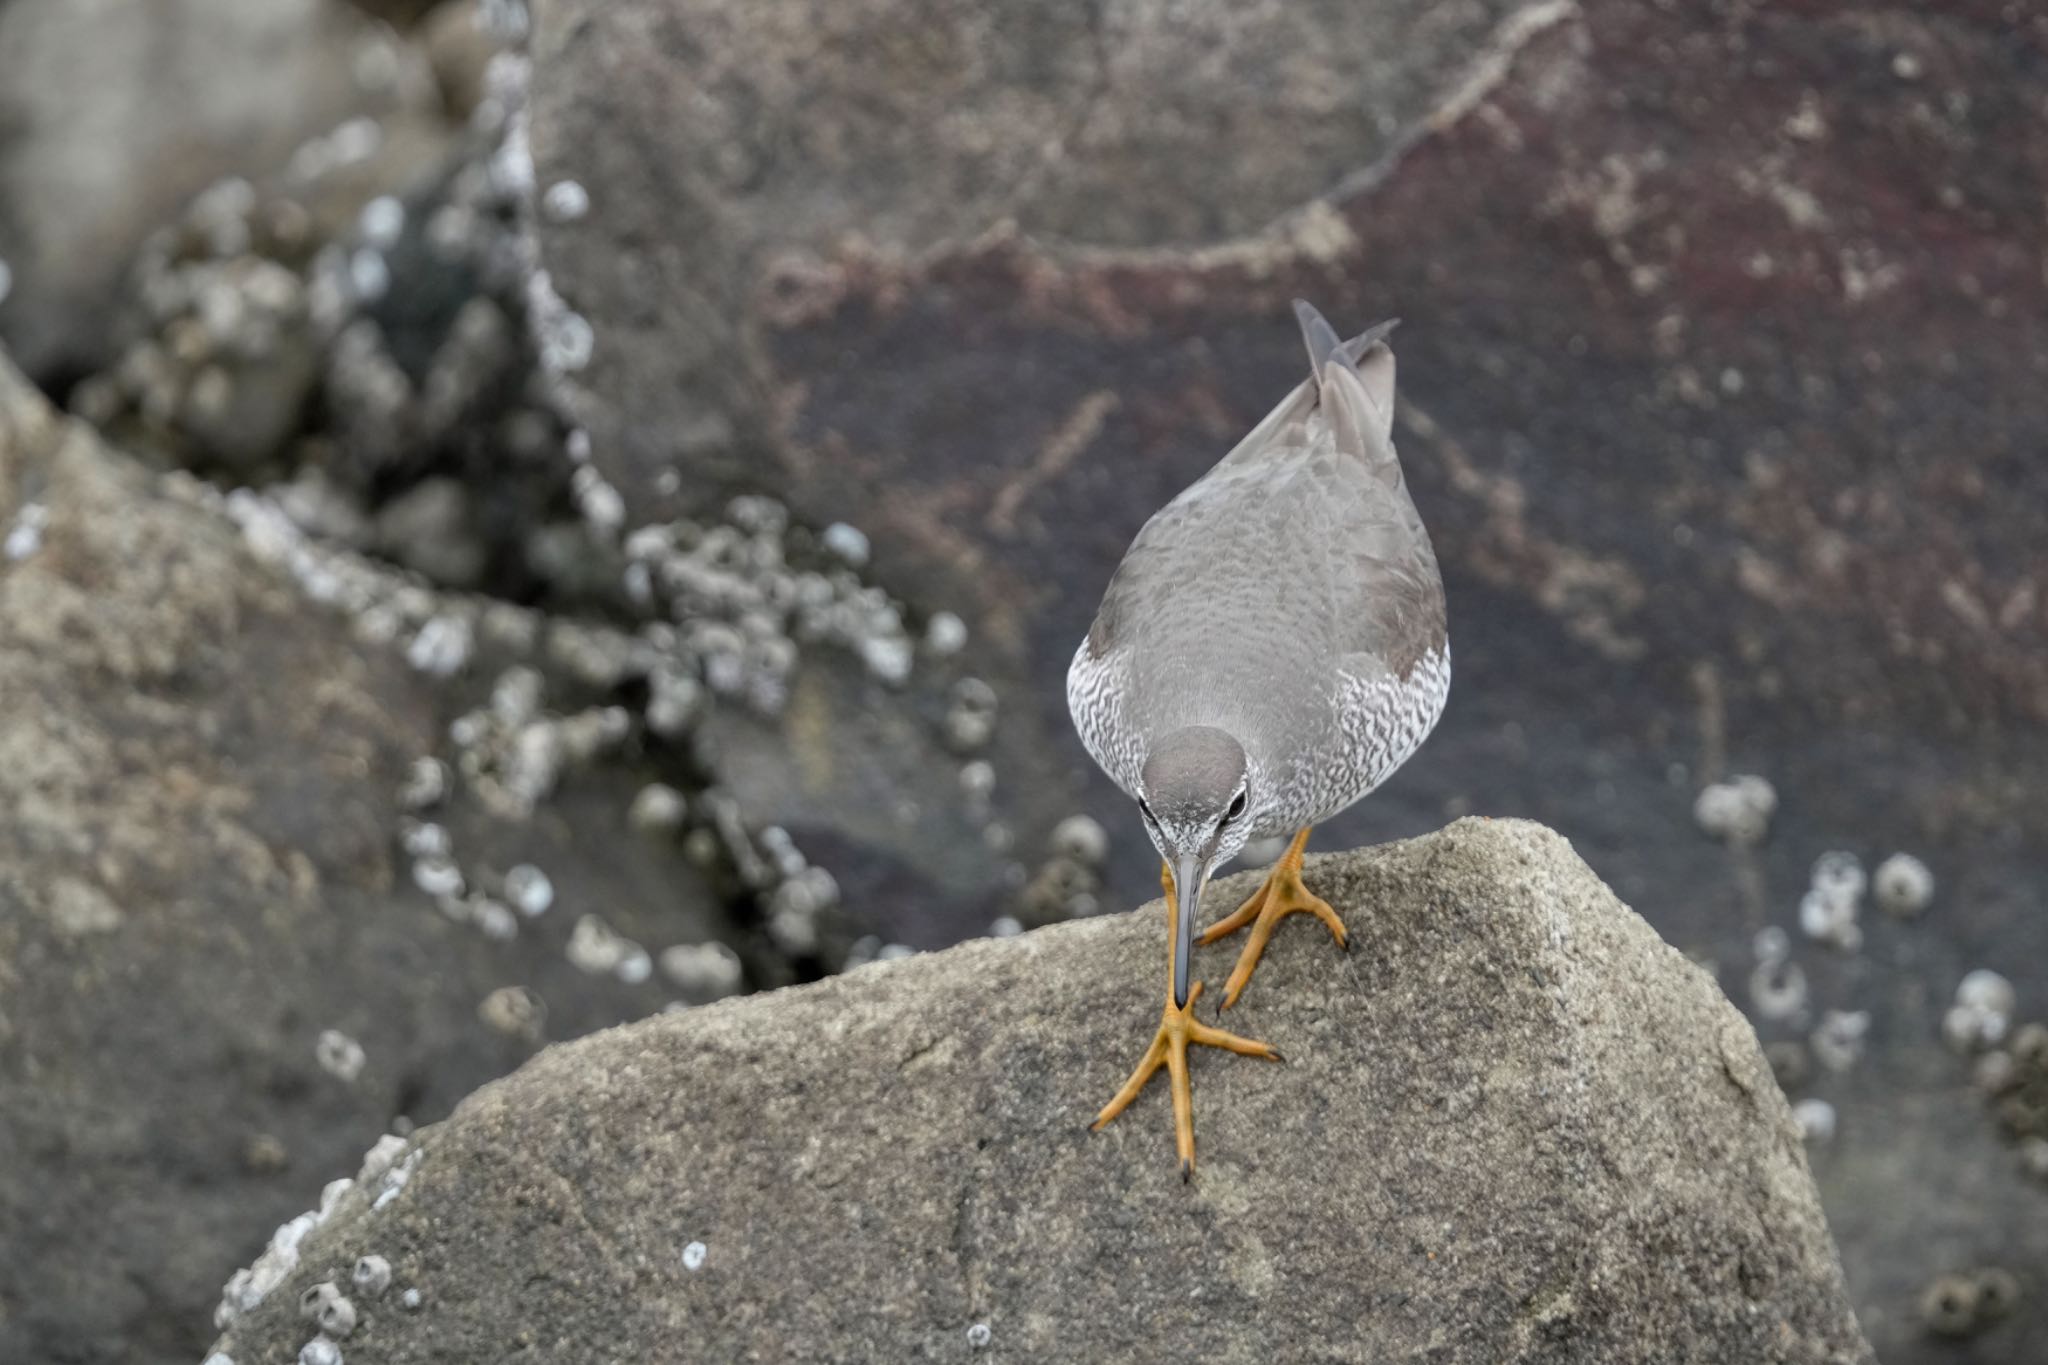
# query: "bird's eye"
[1236,807]
[1146,811]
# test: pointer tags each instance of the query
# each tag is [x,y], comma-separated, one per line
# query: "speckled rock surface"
[199,875]
[112,115]
[1514,1126]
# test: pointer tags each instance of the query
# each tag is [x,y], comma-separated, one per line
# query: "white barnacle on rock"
[595,948]
[658,809]
[1903,885]
[600,503]
[25,536]
[426,784]
[372,1276]
[218,1358]
[442,646]
[1995,1073]
[1829,920]
[1005,926]
[369,274]
[1082,838]
[565,201]
[382,222]
[2034,1158]
[888,657]
[693,1256]
[339,1055]
[1737,811]
[410,1300]
[381,1157]
[945,634]
[438,875]
[848,543]
[425,839]
[1984,989]
[794,930]
[1829,909]
[530,766]
[1838,1040]
[1839,875]
[320,1351]
[516,1011]
[635,965]
[529,889]
[977,781]
[971,719]
[1777,988]
[396,1179]
[317,1297]
[494,918]
[1982,1013]
[703,971]
[337,1317]
[517,695]
[1816,1120]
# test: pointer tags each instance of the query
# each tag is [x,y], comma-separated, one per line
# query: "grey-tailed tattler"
[1271,649]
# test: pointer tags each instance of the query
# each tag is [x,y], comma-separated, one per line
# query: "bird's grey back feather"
[1291,576]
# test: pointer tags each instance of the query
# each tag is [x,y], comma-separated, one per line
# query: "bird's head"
[1198,805]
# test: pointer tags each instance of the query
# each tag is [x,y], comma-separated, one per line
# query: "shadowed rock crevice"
[1505,1133]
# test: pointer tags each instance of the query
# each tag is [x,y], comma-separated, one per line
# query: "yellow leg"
[1280,895]
[1178,1027]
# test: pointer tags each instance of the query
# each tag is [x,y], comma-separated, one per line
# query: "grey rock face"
[111,115]
[1093,125]
[1514,1126]
[200,881]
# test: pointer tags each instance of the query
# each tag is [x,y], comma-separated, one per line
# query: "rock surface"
[1514,1126]
[200,875]
[1723,350]
[112,115]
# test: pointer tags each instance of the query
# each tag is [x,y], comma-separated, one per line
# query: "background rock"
[1723,350]
[1513,1127]
[200,873]
[112,115]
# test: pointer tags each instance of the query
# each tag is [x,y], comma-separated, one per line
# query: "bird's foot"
[1280,895]
[1178,1027]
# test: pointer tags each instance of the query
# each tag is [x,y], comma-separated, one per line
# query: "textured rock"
[199,875]
[112,115]
[1723,350]
[1514,1127]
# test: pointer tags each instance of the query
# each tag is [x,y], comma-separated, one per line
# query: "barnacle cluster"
[1737,811]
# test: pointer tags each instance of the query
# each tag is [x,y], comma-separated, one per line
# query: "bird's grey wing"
[1368,573]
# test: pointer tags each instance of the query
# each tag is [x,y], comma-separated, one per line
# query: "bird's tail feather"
[1323,345]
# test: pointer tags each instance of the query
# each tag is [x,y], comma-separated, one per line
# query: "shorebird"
[1271,649]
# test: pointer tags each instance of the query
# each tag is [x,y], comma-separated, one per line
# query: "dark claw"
[1276,1055]
[1187,1172]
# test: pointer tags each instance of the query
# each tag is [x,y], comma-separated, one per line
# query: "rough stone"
[200,875]
[1514,1126]
[112,115]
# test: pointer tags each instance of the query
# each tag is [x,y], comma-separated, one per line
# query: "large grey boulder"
[1514,1126]
[200,875]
